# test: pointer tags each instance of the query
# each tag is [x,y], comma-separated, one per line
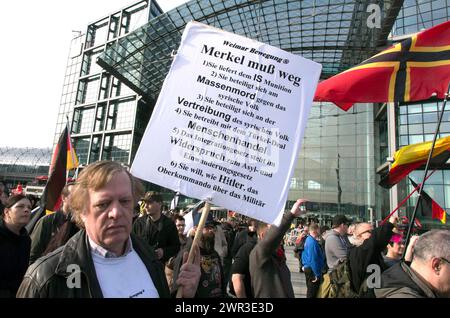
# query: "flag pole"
[197,238]
[413,217]
[405,199]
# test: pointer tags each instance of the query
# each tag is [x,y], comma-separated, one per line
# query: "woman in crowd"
[14,244]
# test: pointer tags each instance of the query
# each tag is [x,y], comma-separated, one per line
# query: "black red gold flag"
[50,199]
[414,156]
[429,207]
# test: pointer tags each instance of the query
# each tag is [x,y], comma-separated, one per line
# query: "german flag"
[429,207]
[50,199]
[72,159]
[412,70]
[413,157]
[64,158]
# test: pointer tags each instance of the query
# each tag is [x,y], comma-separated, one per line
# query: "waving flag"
[412,157]
[64,158]
[412,70]
[72,159]
[50,199]
[430,207]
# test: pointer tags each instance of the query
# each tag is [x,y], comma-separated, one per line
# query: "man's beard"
[208,242]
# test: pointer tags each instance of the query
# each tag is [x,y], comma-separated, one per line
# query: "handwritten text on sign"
[228,122]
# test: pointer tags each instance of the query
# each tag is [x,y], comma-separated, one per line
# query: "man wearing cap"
[157,229]
[212,280]
[336,242]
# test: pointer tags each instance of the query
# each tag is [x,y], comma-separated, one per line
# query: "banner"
[228,123]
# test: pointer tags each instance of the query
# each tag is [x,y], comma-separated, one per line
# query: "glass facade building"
[336,165]
[341,151]
[107,117]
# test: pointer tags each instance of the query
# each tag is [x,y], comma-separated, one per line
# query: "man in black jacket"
[157,229]
[429,273]
[369,244]
[53,230]
[104,259]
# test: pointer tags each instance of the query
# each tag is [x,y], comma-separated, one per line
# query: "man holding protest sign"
[104,260]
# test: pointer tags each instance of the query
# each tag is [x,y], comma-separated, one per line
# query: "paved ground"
[298,279]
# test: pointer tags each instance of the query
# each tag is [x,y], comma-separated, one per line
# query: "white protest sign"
[228,123]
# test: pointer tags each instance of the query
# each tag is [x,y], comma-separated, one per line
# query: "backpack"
[337,283]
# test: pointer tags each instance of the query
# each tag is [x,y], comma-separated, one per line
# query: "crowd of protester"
[110,239]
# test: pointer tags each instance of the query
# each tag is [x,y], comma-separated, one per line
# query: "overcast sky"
[35,40]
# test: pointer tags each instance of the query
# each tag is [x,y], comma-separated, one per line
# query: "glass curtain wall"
[102,109]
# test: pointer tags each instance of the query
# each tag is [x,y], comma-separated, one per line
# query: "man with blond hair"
[104,259]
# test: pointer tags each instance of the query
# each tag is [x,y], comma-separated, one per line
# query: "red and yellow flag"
[429,207]
[412,70]
[411,157]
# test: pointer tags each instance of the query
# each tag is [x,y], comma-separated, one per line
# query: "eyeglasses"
[445,260]
[368,231]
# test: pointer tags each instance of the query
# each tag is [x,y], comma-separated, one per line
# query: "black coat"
[270,276]
[48,276]
[14,256]
[400,281]
[369,253]
[44,230]
[161,234]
